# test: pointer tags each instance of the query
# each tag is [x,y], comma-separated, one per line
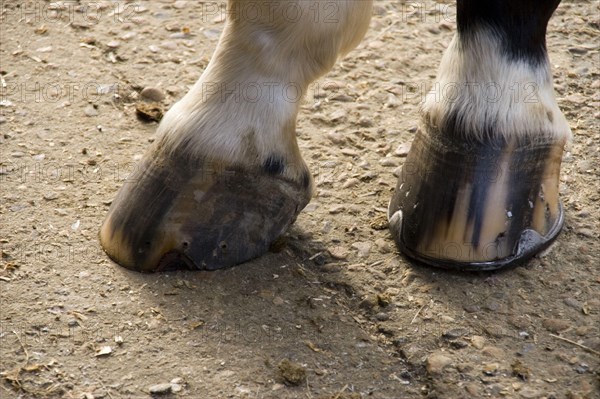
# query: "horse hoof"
[175,213]
[477,206]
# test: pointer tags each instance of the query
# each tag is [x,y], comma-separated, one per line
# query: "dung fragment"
[149,111]
[292,373]
[519,370]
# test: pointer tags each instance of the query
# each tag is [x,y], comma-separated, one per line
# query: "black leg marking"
[520,24]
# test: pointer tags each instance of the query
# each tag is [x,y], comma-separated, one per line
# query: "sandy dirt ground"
[333,311]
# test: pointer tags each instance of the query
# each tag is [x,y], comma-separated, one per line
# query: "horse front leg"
[226,177]
[479,189]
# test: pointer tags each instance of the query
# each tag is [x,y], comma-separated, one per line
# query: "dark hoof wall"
[476,207]
[529,244]
[175,214]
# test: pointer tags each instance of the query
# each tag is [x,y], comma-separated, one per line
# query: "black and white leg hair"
[479,189]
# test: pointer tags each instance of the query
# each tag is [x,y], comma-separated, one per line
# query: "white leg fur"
[494,95]
[479,188]
[243,108]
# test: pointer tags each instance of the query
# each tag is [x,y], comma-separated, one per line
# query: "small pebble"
[526,349]
[368,176]
[369,302]
[364,248]
[471,308]
[556,325]
[472,389]
[338,252]
[350,182]
[335,209]
[493,306]
[493,352]
[530,393]
[176,388]
[338,116]
[446,26]
[477,341]
[50,196]
[168,45]
[586,232]
[381,316]
[90,111]
[436,363]
[344,98]
[574,303]
[403,149]
[459,344]
[577,50]
[128,36]
[311,207]
[392,101]
[388,162]
[161,389]
[336,138]
[576,98]
[582,331]
[103,351]
[455,333]
[212,33]
[383,246]
[365,122]
[376,44]
[152,94]
[180,4]
[350,152]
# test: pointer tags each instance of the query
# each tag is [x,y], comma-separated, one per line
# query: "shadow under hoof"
[175,213]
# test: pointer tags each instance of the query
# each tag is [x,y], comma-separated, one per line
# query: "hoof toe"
[175,214]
